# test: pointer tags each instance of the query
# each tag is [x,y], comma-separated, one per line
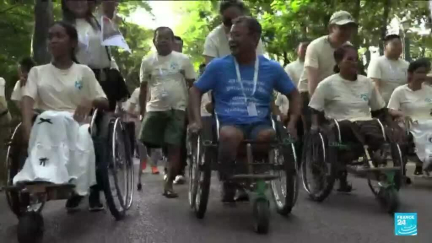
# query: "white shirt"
[16,93]
[295,70]
[342,99]
[90,49]
[166,77]
[62,90]
[319,55]
[415,104]
[391,73]
[216,43]
[3,103]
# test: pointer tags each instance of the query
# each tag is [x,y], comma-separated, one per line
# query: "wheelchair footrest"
[53,191]
[255,177]
[354,169]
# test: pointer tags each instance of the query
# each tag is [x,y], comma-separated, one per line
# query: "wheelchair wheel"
[285,188]
[13,197]
[389,199]
[199,178]
[116,179]
[30,228]
[261,214]
[398,160]
[318,173]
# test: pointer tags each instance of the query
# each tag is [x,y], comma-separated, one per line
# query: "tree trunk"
[356,15]
[285,58]
[43,13]
[384,24]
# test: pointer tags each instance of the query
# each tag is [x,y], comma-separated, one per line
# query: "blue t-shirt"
[230,103]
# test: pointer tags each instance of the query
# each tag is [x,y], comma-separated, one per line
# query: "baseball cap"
[342,18]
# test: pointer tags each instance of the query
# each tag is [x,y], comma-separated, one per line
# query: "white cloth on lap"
[60,151]
[422,133]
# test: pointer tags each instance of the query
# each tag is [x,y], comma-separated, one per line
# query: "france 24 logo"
[405,224]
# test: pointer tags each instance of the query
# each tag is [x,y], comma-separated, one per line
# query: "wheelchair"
[321,167]
[26,200]
[280,168]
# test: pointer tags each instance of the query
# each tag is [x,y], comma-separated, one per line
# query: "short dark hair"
[419,63]
[253,25]
[202,65]
[27,63]
[178,38]
[226,4]
[339,54]
[73,35]
[389,38]
[162,28]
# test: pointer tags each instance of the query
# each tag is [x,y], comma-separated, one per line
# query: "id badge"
[251,109]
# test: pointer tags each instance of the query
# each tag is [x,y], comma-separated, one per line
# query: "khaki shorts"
[163,128]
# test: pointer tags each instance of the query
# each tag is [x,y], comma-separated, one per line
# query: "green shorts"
[163,128]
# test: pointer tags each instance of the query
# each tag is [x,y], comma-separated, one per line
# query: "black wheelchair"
[280,168]
[114,166]
[321,165]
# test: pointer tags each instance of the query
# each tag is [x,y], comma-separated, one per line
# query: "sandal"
[170,193]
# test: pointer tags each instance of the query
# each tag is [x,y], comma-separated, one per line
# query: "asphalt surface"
[341,218]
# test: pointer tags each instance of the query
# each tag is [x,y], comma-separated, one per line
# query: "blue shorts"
[251,131]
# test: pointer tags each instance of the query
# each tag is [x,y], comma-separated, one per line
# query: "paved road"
[342,218]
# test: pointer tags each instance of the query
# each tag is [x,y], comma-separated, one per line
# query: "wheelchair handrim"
[306,163]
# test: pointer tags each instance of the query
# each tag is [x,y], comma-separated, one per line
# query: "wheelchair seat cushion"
[60,150]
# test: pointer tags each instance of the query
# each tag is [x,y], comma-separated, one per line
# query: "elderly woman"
[60,146]
[349,98]
[411,105]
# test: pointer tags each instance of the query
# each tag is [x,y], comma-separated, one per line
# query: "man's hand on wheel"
[195,127]
[83,110]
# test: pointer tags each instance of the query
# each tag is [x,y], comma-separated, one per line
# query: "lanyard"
[255,78]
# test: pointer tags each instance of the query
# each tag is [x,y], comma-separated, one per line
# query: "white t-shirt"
[319,55]
[342,99]
[62,90]
[391,73]
[216,43]
[166,77]
[16,93]
[204,101]
[3,104]
[295,70]
[415,104]
[90,49]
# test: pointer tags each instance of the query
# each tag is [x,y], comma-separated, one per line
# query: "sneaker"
[169,190]
[179,180]
[418,170]
[94,202]
[241,196]
[73,202]
[155,170]
[228,192]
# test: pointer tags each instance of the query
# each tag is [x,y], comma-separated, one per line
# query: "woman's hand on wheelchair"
[292,130]
[83,109]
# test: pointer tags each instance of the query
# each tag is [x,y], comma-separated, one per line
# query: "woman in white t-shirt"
[65,91]
[412,103]
[90,50]
[349,98]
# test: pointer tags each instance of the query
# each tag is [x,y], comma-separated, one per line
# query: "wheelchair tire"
[13,197]
[30,228]
[389,199]
[286,199]
[313,144]
[120,160]
[261,214]
[201,181]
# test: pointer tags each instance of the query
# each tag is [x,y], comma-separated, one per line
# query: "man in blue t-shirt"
[242,86]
